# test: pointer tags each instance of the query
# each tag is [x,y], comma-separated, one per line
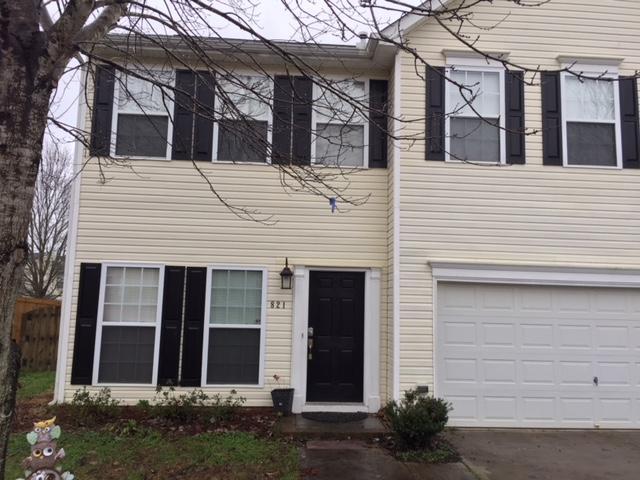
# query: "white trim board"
[535,275]
[371,380]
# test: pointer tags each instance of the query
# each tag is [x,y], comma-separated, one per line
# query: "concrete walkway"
[356,460]
[488,455]
[552,455]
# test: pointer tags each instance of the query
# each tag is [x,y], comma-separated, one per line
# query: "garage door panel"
[530,359]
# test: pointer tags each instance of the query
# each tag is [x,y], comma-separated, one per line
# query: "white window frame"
[316,92]
[100,324]
[208,326]
[168,114]
[593,72]
[214,148]
[468,65]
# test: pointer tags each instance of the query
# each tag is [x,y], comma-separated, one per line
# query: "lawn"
[34,384]
[136,450]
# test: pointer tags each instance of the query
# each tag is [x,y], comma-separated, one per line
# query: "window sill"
[597,167]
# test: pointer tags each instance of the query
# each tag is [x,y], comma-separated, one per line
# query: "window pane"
[330,107]
[126,355]
[233,356]
[141,136]
[341,145]
[245,95]
[589,99]
[479,89]
[236,297]
[591,144]
[242,141]
[474,140]
[132,296]
[141,96]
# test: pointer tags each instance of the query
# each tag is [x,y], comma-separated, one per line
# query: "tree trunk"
[25,88]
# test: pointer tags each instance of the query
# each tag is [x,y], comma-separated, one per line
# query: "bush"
[417,419]
[91,406]
[193,405]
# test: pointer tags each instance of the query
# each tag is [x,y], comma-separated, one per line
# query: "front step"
[302,428]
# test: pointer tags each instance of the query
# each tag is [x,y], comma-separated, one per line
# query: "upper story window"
[243,132]
[339,125]
[475,115]
[590,121]
[208,116]
[140,115]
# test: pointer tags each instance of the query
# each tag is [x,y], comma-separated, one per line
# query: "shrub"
[417,419]
[190,406]
[90,406]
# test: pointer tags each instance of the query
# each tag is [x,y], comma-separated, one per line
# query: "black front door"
[335,353]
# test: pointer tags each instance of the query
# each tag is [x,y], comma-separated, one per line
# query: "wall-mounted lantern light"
[285,276]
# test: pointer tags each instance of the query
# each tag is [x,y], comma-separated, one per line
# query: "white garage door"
[538,356]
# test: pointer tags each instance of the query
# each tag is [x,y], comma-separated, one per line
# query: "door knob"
[595,381]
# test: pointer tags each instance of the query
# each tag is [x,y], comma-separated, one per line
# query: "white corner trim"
[395,263]
[536,275]
[371,380]
[70,258]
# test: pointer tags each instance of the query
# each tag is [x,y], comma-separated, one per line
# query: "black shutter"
[629,122]
[102,111]
[435,113]
[378,123]
[551,119]
[203,140]
[301,132]
[171,329]
[183,116]
[193,327]
[282,104]
[86,319]
[514,94]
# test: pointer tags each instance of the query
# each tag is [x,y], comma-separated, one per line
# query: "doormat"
[335,417]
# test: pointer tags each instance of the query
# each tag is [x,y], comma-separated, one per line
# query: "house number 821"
[277,304]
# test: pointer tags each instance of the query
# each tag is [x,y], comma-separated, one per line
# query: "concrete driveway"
[557,455]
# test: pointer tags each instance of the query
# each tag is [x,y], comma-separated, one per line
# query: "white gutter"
[70,260]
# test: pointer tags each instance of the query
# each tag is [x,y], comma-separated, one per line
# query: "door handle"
[595,381]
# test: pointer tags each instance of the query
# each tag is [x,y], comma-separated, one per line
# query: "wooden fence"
[35,329]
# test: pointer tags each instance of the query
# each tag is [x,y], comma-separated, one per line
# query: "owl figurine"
[44,431]
[42,463]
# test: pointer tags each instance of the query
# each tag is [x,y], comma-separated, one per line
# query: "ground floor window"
[128,325]
[234,336]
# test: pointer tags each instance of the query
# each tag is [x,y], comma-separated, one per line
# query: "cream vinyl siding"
[163,212]
[522,214]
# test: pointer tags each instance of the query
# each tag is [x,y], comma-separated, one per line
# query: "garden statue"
[42,463]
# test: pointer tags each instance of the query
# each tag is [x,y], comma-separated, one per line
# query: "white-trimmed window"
[235,326]
[243,132]
[591,121]
[127,340]
[141,120]
[339,124]
[474,126]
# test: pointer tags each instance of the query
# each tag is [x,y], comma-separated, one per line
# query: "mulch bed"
[259,421]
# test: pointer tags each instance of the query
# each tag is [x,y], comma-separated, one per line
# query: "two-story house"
[496,261]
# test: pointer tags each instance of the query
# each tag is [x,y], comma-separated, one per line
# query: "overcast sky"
[271,20]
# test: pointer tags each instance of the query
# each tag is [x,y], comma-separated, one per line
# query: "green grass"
[107,456]
[33,384]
